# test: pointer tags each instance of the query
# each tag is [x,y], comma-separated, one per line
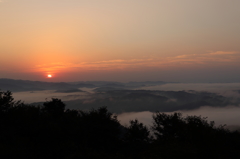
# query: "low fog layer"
[119,101]
[228,116]
[218,101]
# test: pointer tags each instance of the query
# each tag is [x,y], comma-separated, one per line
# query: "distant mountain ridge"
[26,85]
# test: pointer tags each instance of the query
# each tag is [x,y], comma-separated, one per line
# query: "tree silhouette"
[7,101]
[50,131]
[55,107]
[137,132]
[100,127]
[167,127]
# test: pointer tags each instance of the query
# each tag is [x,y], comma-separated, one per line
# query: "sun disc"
[49,76]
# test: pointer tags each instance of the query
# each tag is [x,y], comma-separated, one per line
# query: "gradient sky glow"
[120,40]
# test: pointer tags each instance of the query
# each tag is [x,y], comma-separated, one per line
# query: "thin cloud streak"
[194,60]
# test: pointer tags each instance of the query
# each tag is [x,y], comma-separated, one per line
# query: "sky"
[120,40]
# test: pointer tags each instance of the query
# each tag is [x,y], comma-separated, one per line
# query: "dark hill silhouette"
[51,131]
[26,85]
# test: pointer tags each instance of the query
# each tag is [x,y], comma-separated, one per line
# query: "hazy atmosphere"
[193,46]
[128,79]
[192,43]
[120,40]
[220,102]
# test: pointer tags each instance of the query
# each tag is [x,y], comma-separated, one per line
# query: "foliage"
[50,131]
[7,101]
[194,133]
[137,132]
[54,107]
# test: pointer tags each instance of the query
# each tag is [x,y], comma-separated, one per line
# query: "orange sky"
[120,40]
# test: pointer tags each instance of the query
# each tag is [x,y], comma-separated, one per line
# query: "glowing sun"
[49,76]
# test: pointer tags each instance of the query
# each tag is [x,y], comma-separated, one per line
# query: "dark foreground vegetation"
[50,131]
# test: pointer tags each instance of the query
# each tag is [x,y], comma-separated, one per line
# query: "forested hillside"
[51,131]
